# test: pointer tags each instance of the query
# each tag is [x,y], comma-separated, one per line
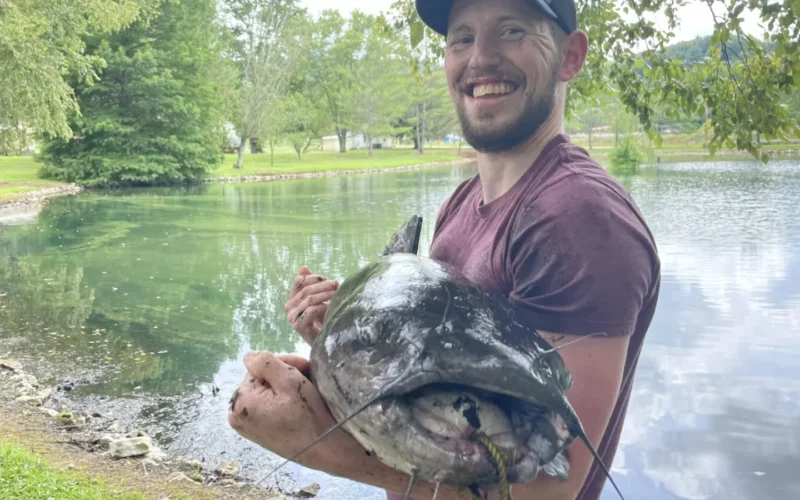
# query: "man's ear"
[575,47]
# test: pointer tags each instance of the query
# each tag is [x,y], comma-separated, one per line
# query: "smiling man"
[541,223]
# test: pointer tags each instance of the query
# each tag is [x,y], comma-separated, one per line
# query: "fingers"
[272,370]
[303,280]
[309,322]
[299,362]
[311,289]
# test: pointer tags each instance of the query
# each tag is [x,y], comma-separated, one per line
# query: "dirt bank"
[96,446]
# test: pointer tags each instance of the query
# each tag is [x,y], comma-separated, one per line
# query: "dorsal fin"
[405,239]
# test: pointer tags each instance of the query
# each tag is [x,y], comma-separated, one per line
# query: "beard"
[489,139]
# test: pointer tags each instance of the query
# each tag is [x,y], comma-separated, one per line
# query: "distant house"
[355,141]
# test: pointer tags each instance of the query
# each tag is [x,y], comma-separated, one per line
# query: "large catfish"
[437,378]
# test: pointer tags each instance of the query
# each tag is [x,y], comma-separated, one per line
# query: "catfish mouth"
[443,422]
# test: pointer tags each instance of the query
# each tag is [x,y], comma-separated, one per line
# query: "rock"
[37,399]
[11,365]
[228,468]
[49,412]
[106,439]
[116,428]
[157,455]
[178,476]
[309,491]
[25,383]
[97,414]
[130,447]
[66,418]
[150,462]
[136,433]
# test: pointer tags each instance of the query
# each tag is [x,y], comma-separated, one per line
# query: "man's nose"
[485,53]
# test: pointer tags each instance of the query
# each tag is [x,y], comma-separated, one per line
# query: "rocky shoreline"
[40,196]
[32,202]
[104,438]
[334,173]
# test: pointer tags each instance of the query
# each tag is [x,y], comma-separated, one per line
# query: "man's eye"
[462,40]
[513,32]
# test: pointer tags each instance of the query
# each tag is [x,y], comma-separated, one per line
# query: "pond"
[154,296]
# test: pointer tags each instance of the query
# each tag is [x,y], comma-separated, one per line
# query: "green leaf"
[417,30]
[796,7]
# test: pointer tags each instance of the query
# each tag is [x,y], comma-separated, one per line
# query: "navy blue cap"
[434,13]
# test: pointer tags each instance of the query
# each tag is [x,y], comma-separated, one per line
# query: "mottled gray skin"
[406,322]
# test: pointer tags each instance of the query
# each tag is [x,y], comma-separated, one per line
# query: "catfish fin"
[406,239]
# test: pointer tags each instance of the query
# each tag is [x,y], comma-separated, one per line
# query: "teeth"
[492,89]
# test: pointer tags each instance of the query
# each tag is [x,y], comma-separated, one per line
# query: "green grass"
[317,161]
[20,169]
[24,475]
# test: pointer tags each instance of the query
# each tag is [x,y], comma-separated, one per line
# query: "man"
[541,223]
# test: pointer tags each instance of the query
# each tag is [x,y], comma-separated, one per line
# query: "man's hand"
[278,407]
[308,302]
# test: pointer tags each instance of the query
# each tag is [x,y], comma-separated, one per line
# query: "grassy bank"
[18,177]
[24,474]
[286,161]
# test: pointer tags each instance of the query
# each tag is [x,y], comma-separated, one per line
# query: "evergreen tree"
[154,117]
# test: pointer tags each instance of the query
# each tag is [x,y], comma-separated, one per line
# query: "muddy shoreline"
[42,417]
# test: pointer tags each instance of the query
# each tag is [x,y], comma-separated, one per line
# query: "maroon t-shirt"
[567,246]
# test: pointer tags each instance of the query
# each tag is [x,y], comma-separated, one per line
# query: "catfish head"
[420,362]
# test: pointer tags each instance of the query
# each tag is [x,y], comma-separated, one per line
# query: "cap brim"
[435,13]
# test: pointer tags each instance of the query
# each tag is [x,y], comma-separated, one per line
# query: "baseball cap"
[434,13]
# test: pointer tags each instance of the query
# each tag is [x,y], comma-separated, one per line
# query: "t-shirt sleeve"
[581,261]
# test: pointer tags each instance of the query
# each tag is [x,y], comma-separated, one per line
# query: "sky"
[695,18]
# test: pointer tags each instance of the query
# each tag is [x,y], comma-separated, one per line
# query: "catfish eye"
[367,333]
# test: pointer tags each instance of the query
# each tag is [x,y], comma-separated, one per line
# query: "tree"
[154,116]
[337,43]
[381,87]
[265,51]
[745,92]
[303,121]
[40,42]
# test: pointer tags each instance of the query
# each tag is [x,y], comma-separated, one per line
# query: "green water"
[158,288]
[154,296]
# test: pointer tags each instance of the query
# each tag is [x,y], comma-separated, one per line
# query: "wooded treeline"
[143,92]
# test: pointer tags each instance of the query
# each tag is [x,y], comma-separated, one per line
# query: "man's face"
[502,70]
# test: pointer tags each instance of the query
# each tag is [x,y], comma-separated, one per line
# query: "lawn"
[286,161]
[18,175]
[25,475]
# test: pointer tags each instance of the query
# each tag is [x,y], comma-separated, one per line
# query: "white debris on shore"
[89,434]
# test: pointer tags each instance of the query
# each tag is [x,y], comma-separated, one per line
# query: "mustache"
[464,84]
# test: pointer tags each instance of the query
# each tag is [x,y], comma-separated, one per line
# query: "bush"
[627,156]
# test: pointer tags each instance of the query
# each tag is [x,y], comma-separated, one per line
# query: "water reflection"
[158,294]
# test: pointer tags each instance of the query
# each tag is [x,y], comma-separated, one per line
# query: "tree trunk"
[299,152]
[418,131]
[590,137]
[305,149]
[271,153]
[422,130]
[369,146]
[342,134]
[705,123]
[242,145]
